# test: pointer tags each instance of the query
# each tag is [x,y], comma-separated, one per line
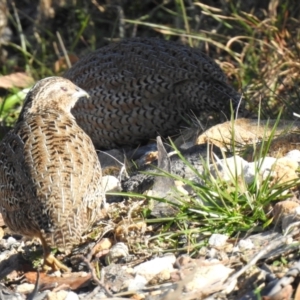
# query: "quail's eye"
[64,88]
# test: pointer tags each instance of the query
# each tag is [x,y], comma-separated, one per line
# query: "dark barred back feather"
[143,87]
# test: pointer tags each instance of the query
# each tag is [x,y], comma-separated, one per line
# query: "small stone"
[71,296]
[288,162]
[217,240]
[181,187]
[212,253]
[287,211]
[11,241]
[25,288]
[117,252]
[294,155]
[279,170]
[160,278]
[155,266]
[137,283]
[228,168]
[111,184]
[246,244]
[288,220]
[205,277]
[4,255]
[263,167]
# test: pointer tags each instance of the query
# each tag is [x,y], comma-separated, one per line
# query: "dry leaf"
[19,79]
[61,64]
[73,281]
[102,247]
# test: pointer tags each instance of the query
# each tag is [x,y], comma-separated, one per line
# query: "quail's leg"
[50,262]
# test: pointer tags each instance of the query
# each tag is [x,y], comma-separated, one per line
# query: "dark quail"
[143,87]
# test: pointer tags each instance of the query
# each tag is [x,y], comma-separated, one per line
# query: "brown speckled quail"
[143,87]
[50,175]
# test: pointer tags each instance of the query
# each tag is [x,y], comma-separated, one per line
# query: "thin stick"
[94,276]
[63,48]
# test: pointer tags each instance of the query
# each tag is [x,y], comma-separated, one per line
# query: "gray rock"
[263,166]
[137,283]
[245,244]
[117,252]
[217,240]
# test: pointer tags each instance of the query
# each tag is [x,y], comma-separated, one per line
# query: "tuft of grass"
[230,207]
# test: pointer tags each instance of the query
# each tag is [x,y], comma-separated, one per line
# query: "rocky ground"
[120,260]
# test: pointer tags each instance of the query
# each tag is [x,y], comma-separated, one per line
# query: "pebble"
[116,252]
[205,277]
[25,288]
[263,166]
[245,244]
[72,296]
[217,240]
[155,266]
[285,213]
[294,155]
[11,241]
[228,168]
[5,254]
[111,184]
[282,169]
[137,283]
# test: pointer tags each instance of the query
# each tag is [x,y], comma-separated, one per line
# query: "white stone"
[217,240]
[153,267]
[25,288]
[246,244]
[5,254]
[228,168]
[263,167]
[212,253]
[11,241]
[72,296]
[117,251]
[205,278]
[111,184]
[137,283]
[294,155]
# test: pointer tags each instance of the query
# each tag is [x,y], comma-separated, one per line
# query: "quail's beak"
[77,95]
[80,93]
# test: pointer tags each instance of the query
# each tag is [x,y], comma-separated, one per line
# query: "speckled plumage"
[143,87]
[50,175]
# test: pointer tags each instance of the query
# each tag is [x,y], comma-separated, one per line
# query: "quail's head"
[52,93]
